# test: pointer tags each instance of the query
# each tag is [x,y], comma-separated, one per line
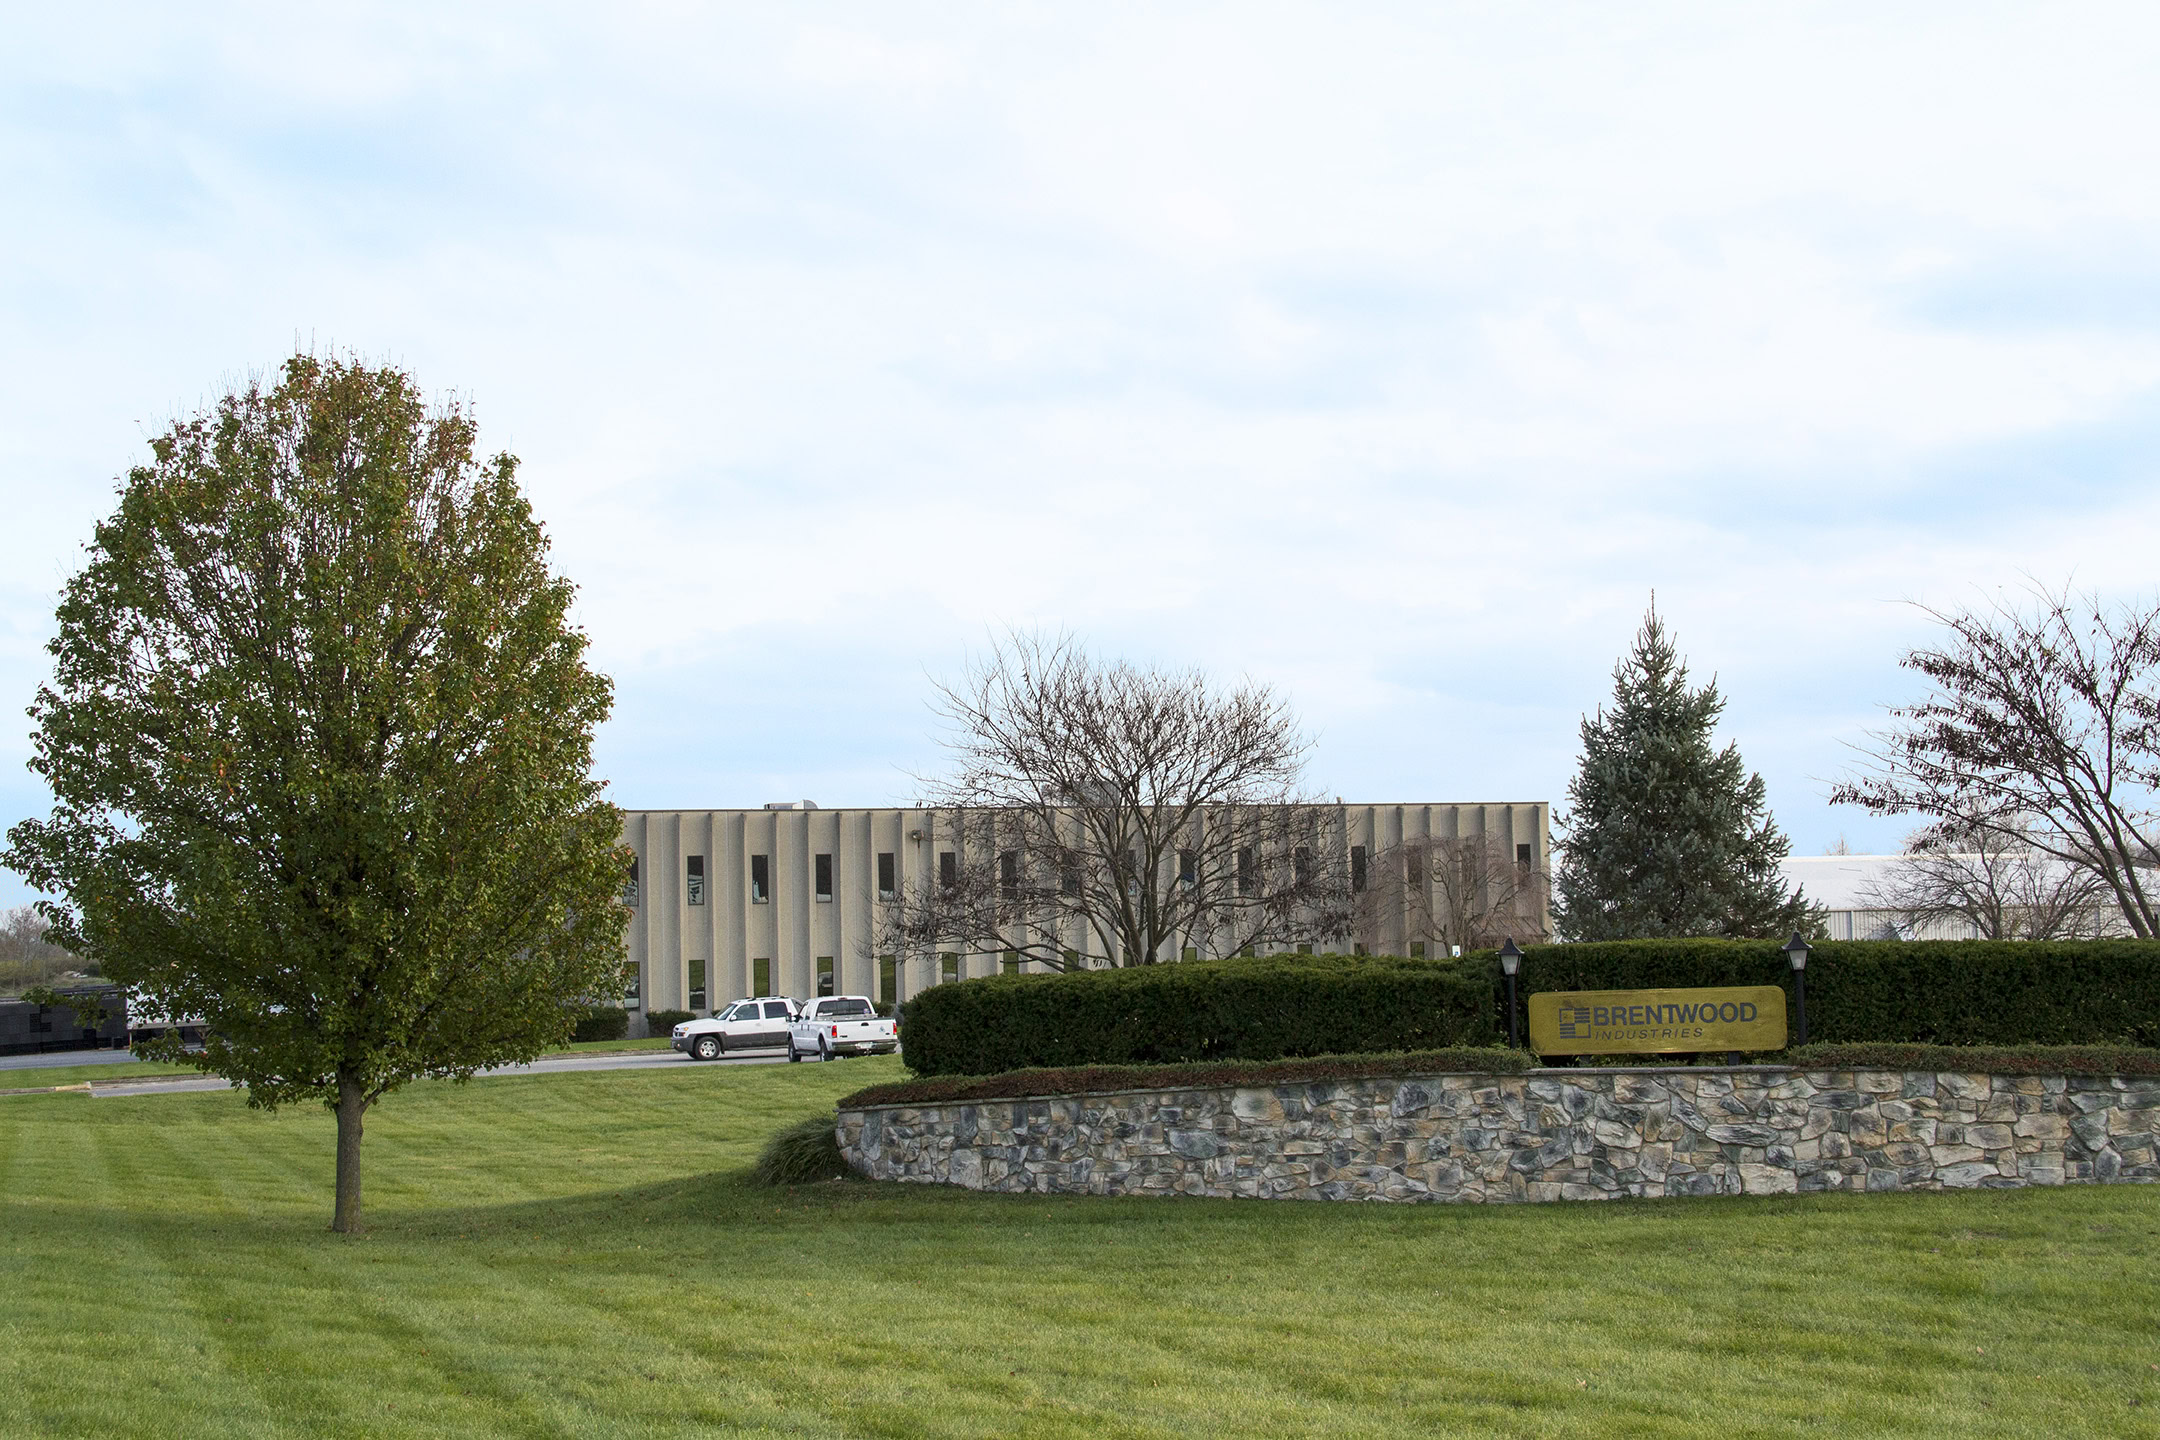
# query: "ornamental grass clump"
[804,1154]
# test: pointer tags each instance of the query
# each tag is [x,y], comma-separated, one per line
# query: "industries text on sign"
[1651,1022]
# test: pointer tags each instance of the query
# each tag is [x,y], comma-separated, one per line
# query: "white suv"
[760,1024]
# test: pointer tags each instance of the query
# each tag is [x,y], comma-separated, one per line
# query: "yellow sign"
[1652,1022]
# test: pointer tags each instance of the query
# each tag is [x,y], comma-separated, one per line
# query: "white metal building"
[1851,888]
[782,900]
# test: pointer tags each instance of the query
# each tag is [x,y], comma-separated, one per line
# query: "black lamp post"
[1510,962]
[1796,950]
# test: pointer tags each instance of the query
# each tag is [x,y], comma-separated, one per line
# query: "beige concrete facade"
[696,914]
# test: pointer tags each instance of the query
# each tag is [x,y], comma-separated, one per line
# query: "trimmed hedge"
[1259,1009]
[601,1022]
[1090,1079]
[2096,1060]
[662,1022]
[2018,993]
[1923,992]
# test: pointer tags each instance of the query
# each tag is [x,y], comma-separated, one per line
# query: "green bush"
[1258,1009]
[806,1152]
[1925,992]
[601,1022]
[1081,1080]
[660,1022]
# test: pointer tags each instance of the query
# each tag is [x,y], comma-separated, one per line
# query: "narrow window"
[948,966]
[1249,952]
[1522,856]
[697,984]
[948,870]
[1188,869]
[1073,960]
[1357,869]
[1414,869]
[888,978]
[886,880]
[1132,875]
[1012,962]
[1357,949]
[631,975]
[1304,947]
[629,889]
[694,881]
[1190,952]
[824,878]
[761,973]
[1009,874]
[1244,870]
[1301,865]
[1069,875]
[824,975]
[760,881]
[1417,949]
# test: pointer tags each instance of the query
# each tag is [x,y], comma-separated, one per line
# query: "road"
[66,1057]
[548,1065]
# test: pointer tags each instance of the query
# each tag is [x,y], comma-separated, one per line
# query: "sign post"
[1657,1022]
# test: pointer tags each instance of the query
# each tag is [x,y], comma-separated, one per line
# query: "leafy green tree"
[319,737]
[1664,834]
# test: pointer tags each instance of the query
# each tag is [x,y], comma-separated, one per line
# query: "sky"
[1390,355]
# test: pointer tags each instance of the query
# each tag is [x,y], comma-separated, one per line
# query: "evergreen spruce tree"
[1665,835]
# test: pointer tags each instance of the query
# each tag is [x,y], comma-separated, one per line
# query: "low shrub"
[1980,1059]
[1087,1079]
[660,1022]
[601,1022]
[803,1154]
[1259,1009]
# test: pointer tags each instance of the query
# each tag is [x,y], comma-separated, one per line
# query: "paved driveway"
[66,1057]
[548,1065]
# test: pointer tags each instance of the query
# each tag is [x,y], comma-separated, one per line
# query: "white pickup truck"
[841,1025]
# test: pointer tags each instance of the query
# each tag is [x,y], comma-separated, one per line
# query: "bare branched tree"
[2001,885]
[2042,729]
[27,959]
[1468,890]
[1108,813]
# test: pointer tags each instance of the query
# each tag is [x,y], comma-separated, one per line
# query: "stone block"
[1904,1153]
[2090,1130]
[1964,1176]
[1989,1137]
[1754,1135]
[1768,1180]
[1878,1082]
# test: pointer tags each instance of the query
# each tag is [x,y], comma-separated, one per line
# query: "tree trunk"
[351,1105]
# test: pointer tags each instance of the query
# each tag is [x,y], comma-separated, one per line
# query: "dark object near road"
[28,1028]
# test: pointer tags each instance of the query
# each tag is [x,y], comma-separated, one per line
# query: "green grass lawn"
[44,1077]
[582,1255]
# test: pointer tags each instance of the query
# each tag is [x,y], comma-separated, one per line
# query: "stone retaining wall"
[1582,1134]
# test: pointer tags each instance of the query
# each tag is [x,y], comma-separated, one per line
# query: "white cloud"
[1391,355]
